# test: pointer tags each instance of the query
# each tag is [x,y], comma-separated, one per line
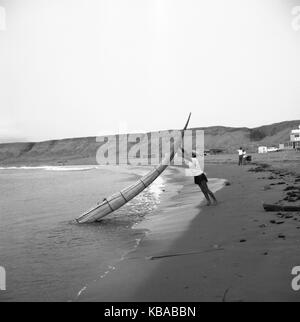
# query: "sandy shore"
[231,252]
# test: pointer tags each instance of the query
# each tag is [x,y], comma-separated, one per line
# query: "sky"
[73,68]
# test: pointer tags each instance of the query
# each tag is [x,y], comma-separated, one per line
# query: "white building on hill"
[294,142]
[295,135]
[262,149]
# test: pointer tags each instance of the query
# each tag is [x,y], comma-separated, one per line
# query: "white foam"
[156,188]
[52,168]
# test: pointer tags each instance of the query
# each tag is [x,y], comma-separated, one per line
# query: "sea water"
[48,257]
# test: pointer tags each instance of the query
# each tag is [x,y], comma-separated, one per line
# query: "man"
[240,152]
[200,178]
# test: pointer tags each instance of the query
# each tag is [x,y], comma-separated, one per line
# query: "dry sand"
[234,251]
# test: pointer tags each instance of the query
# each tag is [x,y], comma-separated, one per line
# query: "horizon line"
[136,132]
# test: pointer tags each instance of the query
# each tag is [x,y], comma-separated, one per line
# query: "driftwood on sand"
[272,207]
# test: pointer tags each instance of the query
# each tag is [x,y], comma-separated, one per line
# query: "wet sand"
[234,251]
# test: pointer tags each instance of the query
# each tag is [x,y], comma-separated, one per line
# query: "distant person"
[240,152]
[200,178]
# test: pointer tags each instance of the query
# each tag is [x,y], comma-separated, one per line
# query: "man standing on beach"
[240,152]
[200,178]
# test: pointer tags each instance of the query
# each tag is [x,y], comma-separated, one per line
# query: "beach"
[231,252]
[165,245]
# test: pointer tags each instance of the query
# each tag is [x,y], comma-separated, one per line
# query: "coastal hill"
[83,150]
[230,139]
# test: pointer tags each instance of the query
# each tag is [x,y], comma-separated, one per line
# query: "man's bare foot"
[208,203]
[215,202]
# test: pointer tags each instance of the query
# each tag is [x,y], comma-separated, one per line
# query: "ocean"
[46,255]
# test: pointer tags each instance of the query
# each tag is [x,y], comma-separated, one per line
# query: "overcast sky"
[89,67]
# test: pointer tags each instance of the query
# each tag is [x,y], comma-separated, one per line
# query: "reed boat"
[119,199]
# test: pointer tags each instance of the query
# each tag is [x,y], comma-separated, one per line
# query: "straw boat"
[119,199]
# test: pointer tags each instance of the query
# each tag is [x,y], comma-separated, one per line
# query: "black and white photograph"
[149,153]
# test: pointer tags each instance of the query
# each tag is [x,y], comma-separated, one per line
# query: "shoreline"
[99,247]
[156,190]
[234,251]
[231,252]
[165,225]
[161,227]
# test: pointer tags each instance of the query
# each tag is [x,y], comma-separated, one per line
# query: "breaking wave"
[52,168]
